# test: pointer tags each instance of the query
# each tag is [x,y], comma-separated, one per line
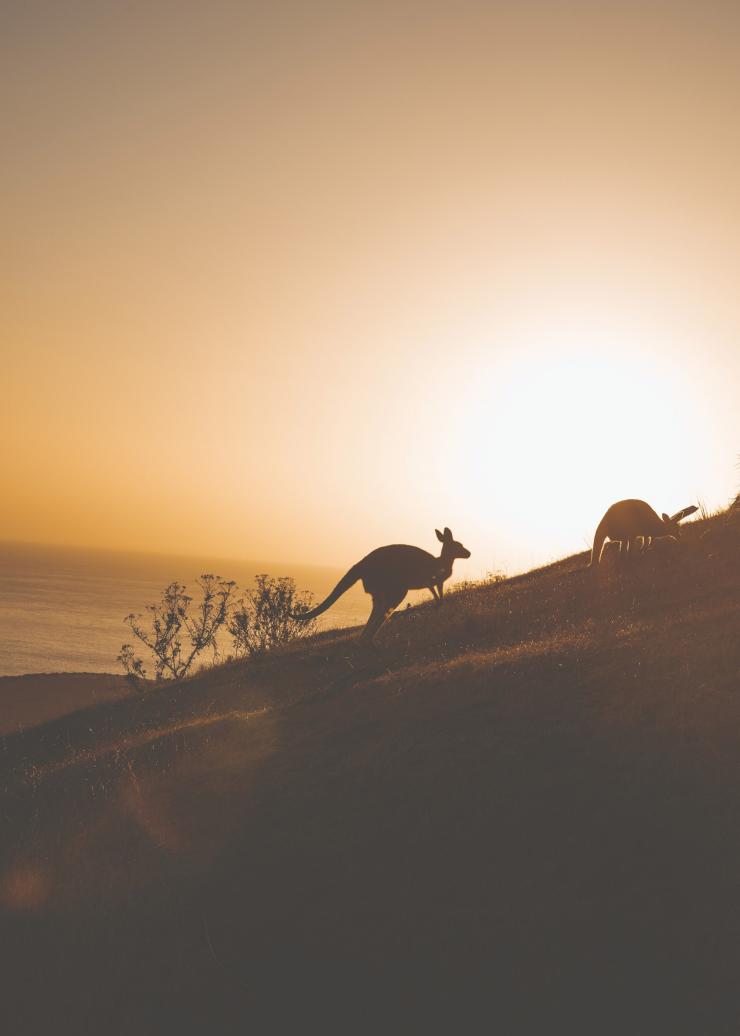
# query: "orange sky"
[291,281]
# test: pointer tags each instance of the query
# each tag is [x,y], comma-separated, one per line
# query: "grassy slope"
[523,808]
[28,701]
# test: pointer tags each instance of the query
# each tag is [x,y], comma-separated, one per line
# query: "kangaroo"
[388,574]
[632,520]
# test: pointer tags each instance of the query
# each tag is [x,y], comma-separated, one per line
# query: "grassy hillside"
[28,701]
[521,814]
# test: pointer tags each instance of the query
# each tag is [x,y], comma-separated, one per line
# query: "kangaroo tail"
[599,538]
[342,586]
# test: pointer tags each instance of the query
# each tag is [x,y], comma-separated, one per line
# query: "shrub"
[266,616]
[175,637]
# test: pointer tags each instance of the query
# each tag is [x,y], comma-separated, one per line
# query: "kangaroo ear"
[440,537]
[684,513]
[448,533]
[665,517]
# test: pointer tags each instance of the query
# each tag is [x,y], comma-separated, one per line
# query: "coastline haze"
[62,608]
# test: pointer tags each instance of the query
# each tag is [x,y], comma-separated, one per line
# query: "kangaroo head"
[671,523]
[451,549]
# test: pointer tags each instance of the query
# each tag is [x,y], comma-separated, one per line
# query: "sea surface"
[62,608]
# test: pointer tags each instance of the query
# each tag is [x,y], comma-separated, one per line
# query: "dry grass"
[522,808]
[38,698]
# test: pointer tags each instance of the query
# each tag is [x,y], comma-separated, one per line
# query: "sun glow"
[554,435]
[295,287]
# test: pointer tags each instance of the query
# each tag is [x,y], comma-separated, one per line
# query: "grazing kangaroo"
[388,574]
[632,520]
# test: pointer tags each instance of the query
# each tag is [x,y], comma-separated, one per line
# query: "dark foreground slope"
[521,815]
[28,701]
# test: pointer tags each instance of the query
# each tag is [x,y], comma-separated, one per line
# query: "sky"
[291,281]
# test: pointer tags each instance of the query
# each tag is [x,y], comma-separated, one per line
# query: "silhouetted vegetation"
[175,637]
[268,616]
[265,617]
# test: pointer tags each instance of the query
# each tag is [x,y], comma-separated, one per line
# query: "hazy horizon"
[295,282]
[177,555]
[62,608]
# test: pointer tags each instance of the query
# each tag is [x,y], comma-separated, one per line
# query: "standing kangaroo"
[388,574]
[630,520]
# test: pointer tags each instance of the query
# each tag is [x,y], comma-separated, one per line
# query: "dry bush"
[266,617]
[174,637]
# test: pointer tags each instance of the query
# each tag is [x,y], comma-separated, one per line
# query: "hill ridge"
[524,803]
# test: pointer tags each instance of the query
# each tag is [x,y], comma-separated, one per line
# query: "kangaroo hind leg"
[383,608]
[378,616]
[598,548]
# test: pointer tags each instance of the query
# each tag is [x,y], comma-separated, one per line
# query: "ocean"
[62,608]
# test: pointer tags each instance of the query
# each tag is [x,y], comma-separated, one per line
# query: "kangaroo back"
[630,518]
[395,566]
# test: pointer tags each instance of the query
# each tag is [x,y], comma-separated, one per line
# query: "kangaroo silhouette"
[388,574]
[630,520]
